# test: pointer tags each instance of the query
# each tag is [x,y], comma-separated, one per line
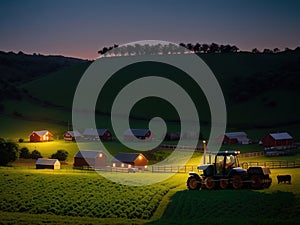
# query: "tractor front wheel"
[193,183]
[237,182]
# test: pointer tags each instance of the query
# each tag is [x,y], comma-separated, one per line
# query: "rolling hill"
[260,92]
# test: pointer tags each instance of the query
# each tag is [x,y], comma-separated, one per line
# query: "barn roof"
[94,132]
[44,161]
[240,136]
[74,133]
[236,134]
[281,136]
[136,132]
[126,157]
[88,154]
[41,132]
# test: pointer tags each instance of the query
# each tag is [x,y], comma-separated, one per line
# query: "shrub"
[8,151]
[24,153]
[21,140]
[35,154]
[61,155]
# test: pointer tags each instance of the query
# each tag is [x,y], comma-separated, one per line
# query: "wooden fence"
[273,164]
[245,165]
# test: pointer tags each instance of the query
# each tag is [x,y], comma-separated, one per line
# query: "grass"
[280,204]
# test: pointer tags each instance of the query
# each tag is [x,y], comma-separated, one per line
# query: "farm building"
[130,160]
[40,136]
[142,134]
[96,134]
[90,158]
[72,135]
[43,163]
[236,138]
[283,139]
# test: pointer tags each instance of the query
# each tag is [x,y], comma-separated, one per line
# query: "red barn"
[236,138]
[96,134]
[40,136]
[72,135]
[130,160]
[277,139]
[141,134]
[90,158]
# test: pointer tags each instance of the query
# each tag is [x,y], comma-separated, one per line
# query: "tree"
[204,48]
[197,48]
[276,50]
[190,46]
[214,48]
[8,152]
[255,50]
[61,155]
[35,154]
[24,153]
[234,48]
[266,50]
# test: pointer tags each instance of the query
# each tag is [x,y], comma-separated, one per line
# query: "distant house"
[90,158]
[40,136]
[236,138]
[141,134]
[96,134]
[43,163]
[130,160]
[72,135]
[283,139]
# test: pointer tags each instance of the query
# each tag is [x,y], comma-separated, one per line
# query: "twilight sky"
[80,28]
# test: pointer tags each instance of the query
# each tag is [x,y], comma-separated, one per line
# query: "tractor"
[226,172]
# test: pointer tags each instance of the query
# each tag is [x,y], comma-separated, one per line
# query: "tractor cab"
[225,161]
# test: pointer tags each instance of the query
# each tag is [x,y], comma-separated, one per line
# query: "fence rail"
[173,169]
[273,164]
[245,165]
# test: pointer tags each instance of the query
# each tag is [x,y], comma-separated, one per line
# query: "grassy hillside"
[254,98]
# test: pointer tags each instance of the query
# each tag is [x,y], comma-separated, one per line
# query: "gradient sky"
[80,28]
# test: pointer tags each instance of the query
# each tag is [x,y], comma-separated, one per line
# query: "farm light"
[204,151]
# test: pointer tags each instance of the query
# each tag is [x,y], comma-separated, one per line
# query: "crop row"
[79,195]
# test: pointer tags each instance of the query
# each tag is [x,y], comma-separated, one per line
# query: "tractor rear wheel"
[267,182]
[223,183]
[237,182]
[209,183]
[256,182]
[193,183]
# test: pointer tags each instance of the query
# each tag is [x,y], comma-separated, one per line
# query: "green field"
[78,194]
[62,197]
[280,204]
